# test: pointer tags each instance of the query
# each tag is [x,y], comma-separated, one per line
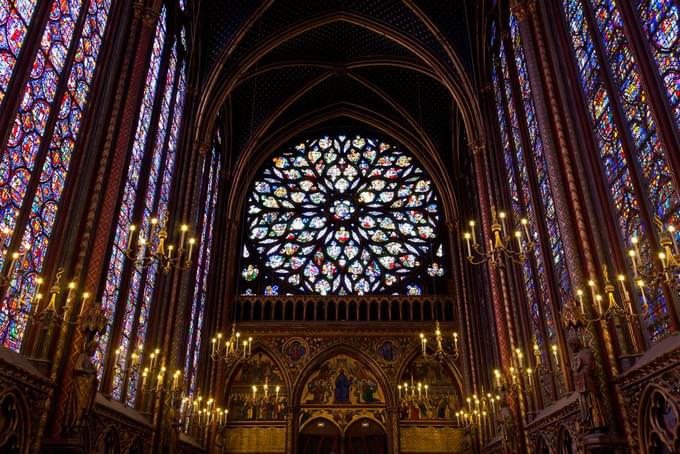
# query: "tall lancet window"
[51,103]
[129,288]
[197,315]
[634,161]
[15,19]
[661,24]
[342,215]
[528,184]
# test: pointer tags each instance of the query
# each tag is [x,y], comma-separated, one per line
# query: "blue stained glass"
[541,167]
[126,212]
[608,136]
[55,167]
[536,286]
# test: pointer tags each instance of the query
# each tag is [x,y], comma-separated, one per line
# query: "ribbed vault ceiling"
[270,66]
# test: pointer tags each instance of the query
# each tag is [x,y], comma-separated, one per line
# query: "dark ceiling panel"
[338,41]
[257,97]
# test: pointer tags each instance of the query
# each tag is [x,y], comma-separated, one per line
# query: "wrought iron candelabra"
[501,243]
[155,250]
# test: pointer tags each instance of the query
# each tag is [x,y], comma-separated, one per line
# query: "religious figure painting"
[258,392]
[343,380]
[295,349]
[388,351]
[427,391]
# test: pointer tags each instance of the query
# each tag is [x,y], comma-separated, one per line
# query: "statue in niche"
[81,399]
[507,423]
[591,411]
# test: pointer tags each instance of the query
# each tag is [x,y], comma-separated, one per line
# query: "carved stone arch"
[219,85]
[246,169]
[137,446]
[448,363]
[274,355]
[542,446]
[263,367]
[336,350]
[659,421]
[566,442]
[316,419]
[108,441]
[14,422]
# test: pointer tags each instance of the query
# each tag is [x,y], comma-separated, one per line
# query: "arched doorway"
[365,437]
[319,436]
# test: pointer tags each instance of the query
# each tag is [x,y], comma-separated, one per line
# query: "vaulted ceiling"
[278,68]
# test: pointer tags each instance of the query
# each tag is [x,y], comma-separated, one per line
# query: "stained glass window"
[535,282]
[15,17]
[340,215]
[540,166]
[646,149]
[661,23]
[28,135]
[194,334]
[126,212]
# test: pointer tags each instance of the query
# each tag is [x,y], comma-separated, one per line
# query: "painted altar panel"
[342,380]
[258,391]
[427,391]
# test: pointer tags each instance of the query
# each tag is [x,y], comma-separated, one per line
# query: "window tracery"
[341,215]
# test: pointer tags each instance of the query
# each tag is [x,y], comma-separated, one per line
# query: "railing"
[345,308]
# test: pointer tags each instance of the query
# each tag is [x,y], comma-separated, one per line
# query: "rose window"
[341,216]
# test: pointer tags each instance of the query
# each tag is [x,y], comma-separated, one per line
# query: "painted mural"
[342,380]
[427,391]
[258,392]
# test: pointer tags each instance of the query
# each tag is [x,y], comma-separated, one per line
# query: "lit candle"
[591,284]
[245,347]
[145,373]
[497,374]
[219,339]
[265,387]
[537,355]
[175,379]
[579,293]
[502,216]
[519,357]
[118,350]
[662,257]
[254,391]
[624,293]
[131,236]
[420,388]
[557,358]
[472,231]
[192,241]
[422,343]
[467,242]
[15,257]
[213,341]
[86,295]
[140,250]
[153,360]
[455,341]
[598,299]
[641,284]
[170,249]
[250,345]
[278,388]
[525,223]
[671,230]
[237,341]
[458,418]
[426,395]
[182,235]
[529,375]
[399,390]
[631,254]
[518,235]
[634,240]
